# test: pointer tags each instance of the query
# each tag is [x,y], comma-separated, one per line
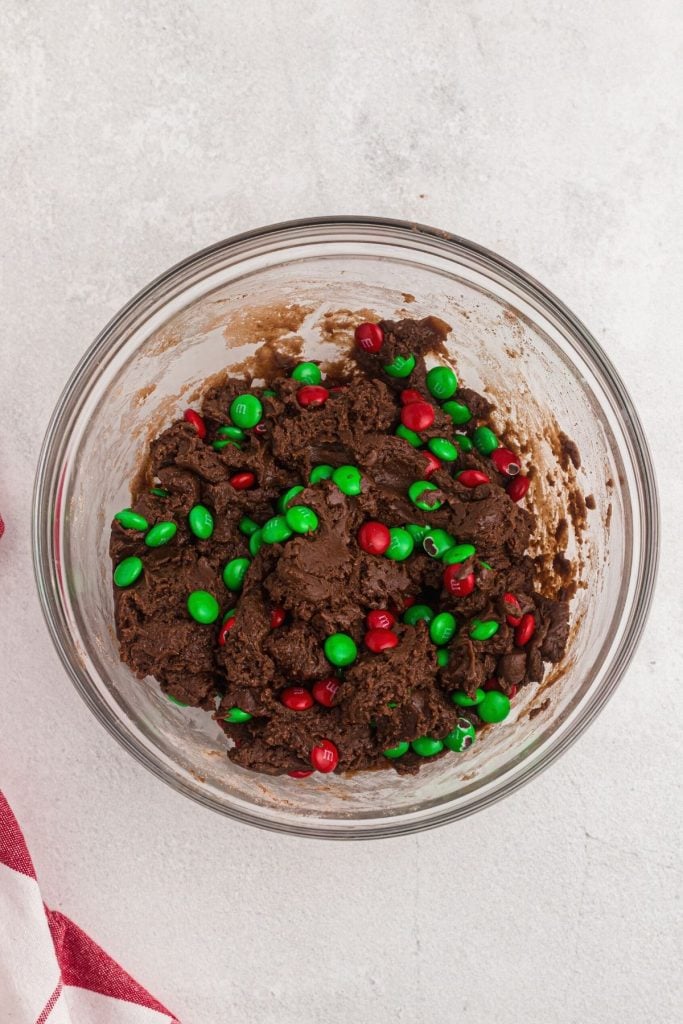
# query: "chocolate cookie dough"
[337,569]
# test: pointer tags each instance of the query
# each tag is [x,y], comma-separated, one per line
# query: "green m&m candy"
[255,542]
[485,441]
[269,393]
[436,542]
[231,433]
[460,698]
[284,499]
[427,746]
[348,479]
[464,443]
[246,411]
[442,628]
[494,707]
[401,544]
[417,532]
[443,449]
[228,435]
[201,522]
[417,492]
[409,435]
[458,553]
[307,373]
[234,572]
[398,751]
[418,613]
[203,607]
[128,571]
[275,531]
[230,614]
[457,411]
[321,472]
[462,737]
[236,715]
[442,383]
[442,657]
[159,492]
[301,519]
[401,366]
[174,700]
[483,630]
[130,520]
[248,526]
[160,534]
[340,649]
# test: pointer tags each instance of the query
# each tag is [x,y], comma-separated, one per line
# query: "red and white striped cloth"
[51,972]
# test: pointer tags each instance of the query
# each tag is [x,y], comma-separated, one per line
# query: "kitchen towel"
[51,972]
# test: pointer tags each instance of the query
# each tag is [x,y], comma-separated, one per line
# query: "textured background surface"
[136,133]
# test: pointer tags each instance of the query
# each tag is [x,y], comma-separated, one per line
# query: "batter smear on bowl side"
[336,568]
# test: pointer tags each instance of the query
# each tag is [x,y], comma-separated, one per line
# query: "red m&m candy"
[325,756]
[298,774]
[525,630]
[225,629]
[379,618]
[369,337]
[518,487]
[312,394]
[472,478]
[324,691]
[456,585]
[377,640]
[513,609]
[432,463]
[277,617]
[197,422]
[374,538]
[296,698]
[417,415]
[409,395]
[242,481]
[505,461]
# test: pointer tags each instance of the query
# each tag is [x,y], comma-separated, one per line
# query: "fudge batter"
[336,568]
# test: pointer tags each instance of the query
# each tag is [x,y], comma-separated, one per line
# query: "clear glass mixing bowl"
[511,337]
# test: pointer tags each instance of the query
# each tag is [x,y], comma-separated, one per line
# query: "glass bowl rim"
[68,402]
